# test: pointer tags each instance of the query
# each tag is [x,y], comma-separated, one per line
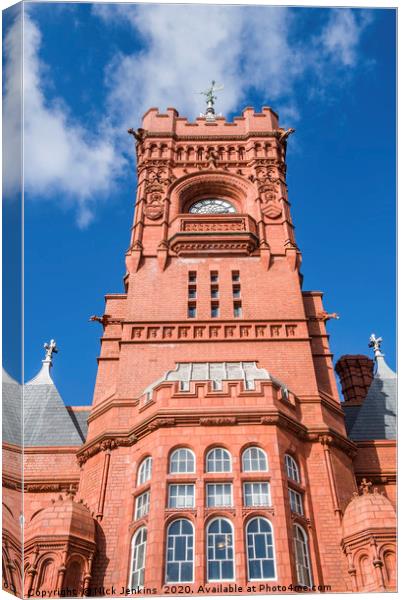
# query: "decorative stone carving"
[51,487]
[163,422]
[210,421]
[219,331]
[154,206]
[269,420]
[235,247]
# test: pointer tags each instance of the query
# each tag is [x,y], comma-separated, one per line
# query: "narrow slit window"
[237,309]
[215,311]
[214,291]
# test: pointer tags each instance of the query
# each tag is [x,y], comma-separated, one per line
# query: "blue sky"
[90,73]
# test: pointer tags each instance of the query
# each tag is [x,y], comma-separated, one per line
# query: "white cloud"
[12,108]
[266,50]
[341,36]
[60,155]
[246,48]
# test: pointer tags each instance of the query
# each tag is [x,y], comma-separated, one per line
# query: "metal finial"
[50,349]
[210,100]
[375,344]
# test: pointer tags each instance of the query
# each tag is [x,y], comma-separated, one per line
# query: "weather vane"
[50,348]
[210,100]
[375,344]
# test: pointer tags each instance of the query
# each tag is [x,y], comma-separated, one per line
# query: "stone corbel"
[162,255]
[293,255]
[133,257]
[265,254]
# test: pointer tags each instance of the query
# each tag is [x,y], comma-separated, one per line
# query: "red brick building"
[215,455]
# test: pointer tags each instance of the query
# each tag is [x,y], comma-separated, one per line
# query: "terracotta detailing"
[210,297]
[370,543]
[106,447]
[326,441]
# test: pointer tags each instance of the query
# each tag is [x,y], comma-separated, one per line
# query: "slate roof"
[47,421]
[350,415]
[79,418]
[11,410]
[376,418]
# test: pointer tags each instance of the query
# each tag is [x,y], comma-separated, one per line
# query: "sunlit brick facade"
[216,453]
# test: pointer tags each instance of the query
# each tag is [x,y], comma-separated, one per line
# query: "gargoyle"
[139,134]
[284,133]
[325,316]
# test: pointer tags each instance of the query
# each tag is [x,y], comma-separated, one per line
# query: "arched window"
[254,459]
[139,543]
[261,561]
[292,468]
[302,561]
[145,469]
[220,551]
[218,460]
[182,461]
[180,552]
[212,206]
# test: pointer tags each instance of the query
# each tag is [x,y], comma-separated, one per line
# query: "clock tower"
[216,456]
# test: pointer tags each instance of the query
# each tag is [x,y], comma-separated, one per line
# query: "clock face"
[211,206]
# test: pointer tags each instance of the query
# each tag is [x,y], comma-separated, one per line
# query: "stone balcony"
[213,234]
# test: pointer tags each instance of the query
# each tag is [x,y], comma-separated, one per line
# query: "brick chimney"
[356,374]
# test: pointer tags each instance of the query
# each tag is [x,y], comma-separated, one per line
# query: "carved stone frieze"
[238,224]
[106,445]
[229,330]
[193,247]
[162,422]
[211,421]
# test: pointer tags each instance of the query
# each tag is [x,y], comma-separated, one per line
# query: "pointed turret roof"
[47,422]
[376,419]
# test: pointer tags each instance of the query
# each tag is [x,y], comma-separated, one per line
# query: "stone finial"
[375,344]
[50,348]
[383,371]
[365,486]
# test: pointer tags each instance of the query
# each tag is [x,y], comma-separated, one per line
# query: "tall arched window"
[218,460]
[139,543]
[261,561]
[182,461]
[292,468]
[180,552]
[220,551]
[302,561]
[145,469]
[254,459]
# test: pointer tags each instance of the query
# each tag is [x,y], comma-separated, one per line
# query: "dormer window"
[211,206]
